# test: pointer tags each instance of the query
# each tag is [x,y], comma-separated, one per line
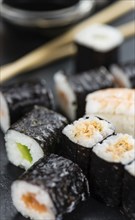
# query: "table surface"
[14,45]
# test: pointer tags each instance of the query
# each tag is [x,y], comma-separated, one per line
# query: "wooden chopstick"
[48,52]
[128,29]
[18,67]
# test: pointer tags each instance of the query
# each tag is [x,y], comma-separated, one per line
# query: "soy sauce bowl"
[47,20]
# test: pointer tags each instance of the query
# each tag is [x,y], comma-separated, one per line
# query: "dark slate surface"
[13,46]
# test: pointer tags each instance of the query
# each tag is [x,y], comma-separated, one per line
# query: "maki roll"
[97,46]
[36,134]
[80,137]
[107,167]
[129,191]
[124,74]
[50,188]
[19,98]
[72,90]
[114,105]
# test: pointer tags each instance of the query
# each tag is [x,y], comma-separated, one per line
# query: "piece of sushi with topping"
[107,167]
[72,90]
[51,187]
[128,196]
[81,136]
[20,97]
[36,134]
[116,105]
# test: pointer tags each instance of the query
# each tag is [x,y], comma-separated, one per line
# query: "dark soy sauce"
[41,5]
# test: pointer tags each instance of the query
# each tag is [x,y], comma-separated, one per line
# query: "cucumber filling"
[25,152]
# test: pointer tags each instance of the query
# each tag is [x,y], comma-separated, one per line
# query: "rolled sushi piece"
[50,188]
[107,167]
[129,191]
[80,137]
[72,90]
[124,74]
[19,98]
[97,46]
[34,136]
[116,106]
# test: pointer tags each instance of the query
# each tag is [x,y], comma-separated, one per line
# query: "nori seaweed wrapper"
[77,153]
[88,58]
[44,126]
[88,82]
[106,180]
[129,71]
[128,199]
[62,179]
[22,96]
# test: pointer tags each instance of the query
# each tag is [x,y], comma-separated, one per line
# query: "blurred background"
[27,24]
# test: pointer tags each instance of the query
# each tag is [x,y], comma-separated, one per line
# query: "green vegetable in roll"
[25,152]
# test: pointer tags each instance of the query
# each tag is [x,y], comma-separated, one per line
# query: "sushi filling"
[32,201]
[25,152]
[22,150]
[89,130]
[4,114]
[119,148]
[66,96]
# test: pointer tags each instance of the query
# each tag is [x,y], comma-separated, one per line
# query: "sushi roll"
[19,98]
[129,191]
[97,46]
[72,90]
[107,167]
[50,188]
[36,134]
[116,106]
[80,137]
[124,74]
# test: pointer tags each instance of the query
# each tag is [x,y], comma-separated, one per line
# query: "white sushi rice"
[85,131]
[118,148]
[116,106]
[4,114]
[99,37]
[131,168]
[12,138]
[120,77]
[66,96]
[21,188]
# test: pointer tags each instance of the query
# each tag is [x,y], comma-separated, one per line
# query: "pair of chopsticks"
[63,46]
